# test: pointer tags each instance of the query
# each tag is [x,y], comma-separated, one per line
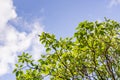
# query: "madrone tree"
[92,53]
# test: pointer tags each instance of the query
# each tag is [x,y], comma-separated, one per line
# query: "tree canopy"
[92,53]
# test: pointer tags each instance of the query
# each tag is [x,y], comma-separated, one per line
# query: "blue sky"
[22,20]
[66,14]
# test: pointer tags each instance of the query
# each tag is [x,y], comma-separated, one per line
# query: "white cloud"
[12,41]
[7,12]
[114,3]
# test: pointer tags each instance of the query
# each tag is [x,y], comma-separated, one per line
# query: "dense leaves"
[93,53]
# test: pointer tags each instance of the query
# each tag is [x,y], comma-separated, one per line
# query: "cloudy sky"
[22,20]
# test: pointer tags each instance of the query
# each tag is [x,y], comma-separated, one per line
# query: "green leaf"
[17,73]
[48,49]
[14,70]
[16,65]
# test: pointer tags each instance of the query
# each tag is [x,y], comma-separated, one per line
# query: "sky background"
[22,20]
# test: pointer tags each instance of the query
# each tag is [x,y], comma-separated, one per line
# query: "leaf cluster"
[93,53]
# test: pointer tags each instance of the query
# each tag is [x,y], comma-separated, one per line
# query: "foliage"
[93,53]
